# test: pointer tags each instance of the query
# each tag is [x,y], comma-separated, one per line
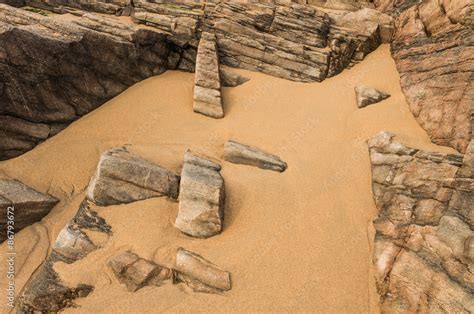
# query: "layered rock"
[422,251]
[45,291]
[207,82]
[247,155]
[229,79]
[201,197]
[122,177]
[368,95]
[433,50]
[24,204]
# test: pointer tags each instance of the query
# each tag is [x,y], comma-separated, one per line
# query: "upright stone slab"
[26,205]
[201,198]
[207,84]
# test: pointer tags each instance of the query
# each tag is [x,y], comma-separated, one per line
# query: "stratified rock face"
[243,154]
[122,177]
[200,274]
[52,72]
[433,50]
[207,82]
[367,96]
[26,205]
[423,242]
[201,197]
[45,291]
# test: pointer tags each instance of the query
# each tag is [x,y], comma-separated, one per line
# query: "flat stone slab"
[247,155]
[122,177]
[200,274]
[29,205]
[201,198]
[368,96]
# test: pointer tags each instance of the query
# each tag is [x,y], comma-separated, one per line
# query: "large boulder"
[23,204]
[247,155]
[201,197]
[122,177]
[422,250]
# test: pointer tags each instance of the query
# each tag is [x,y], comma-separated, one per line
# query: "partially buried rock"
[229,79]
[24,203]
[200,274]
[368,96]
[243,154]
[122,177]
[201,198]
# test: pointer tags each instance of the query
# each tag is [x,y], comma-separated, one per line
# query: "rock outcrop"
[201,197]
[433,50]
[229,79]
[24,204]
[122,177]
[45,291]
[207,82]
[367,96]
[243,154]
[423,241]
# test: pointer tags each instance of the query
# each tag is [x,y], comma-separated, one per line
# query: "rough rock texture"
[367,96]
[122,177]
[207,82]
[243,154]
[52,72]
[433,47]
[229,79]
[201,197]
[200,274]
[24,203]
[136,272]
[45,290]
[366,19]
[423,242]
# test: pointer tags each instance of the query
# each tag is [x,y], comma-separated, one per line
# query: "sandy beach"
[298,241]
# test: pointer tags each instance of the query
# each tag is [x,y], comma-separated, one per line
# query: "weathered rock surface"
[229,79]
[122,177]
[136,272]
[433,50]
[45,291]
[201,197]
[422,251]
[367,19]
[247,155]
[200,274]
[25,204]
[207,82]
[367,96]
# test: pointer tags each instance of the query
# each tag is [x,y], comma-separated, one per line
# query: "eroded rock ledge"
[423,251]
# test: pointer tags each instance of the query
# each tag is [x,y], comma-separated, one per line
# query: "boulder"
[366,18]
[367,96]
[25,204]
[207,84]
[201,197]
[122,177]
[247,155]
[200,274]
[423,232]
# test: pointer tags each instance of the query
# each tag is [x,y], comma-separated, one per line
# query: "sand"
[293,241]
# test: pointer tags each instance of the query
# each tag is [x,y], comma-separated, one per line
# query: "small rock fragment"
[368,96]
[122,177]
[201,198]
[200,274]
[229,79]
[243,154]
[24,203]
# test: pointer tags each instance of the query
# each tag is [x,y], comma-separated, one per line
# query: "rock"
[45,291]
[122,177]
[366,18]
[229,79]
[368,96]
[207,84]
[428,37]
[201,198]
[200,274]
[136,272]
[423,232]
[24,203]
[243,154]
